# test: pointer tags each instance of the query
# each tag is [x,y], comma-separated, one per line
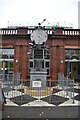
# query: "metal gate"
[19,91]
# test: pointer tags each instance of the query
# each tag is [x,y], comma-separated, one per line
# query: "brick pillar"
[20,58]
[53,63]
[57,59]
[62,60]
[27,62]
[51,60]
[24,62]
[16,58]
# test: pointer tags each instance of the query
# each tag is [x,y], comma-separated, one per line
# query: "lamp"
[41,22]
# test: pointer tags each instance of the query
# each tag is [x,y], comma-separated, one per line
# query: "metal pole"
[68,68]
[3,70]
[21,90]
[7,83]
[67,85]
[73,92]
[50,90]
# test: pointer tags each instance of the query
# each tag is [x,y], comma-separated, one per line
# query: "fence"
[20,92]
[66,84]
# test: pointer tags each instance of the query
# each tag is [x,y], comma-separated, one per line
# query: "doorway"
[75,70]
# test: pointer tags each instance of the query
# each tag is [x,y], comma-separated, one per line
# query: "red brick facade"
[19,39]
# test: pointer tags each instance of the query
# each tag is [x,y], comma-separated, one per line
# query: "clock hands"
[39,36]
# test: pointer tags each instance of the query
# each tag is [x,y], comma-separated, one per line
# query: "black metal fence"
[20,92]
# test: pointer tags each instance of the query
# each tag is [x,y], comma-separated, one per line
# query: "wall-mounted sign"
[36,84]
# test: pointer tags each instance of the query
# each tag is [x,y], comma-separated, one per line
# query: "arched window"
[74,57]
[4,56]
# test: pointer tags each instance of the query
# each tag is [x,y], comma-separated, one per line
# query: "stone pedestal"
[38,76]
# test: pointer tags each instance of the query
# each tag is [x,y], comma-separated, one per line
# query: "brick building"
[61,55]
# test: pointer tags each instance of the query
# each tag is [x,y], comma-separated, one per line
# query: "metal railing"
[20,92]
[66,84]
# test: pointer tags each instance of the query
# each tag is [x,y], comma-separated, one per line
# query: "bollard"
[50,90]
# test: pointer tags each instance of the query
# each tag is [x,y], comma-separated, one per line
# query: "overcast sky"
[29,12]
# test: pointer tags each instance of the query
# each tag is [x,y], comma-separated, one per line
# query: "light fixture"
[16,61]
[41,22]
[61,61]
[28,53]
[31,44]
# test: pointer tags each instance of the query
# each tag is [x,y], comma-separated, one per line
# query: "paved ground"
[41,112]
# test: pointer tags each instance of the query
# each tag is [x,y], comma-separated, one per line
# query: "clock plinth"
[38,73]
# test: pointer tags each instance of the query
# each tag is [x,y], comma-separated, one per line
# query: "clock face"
[39,36]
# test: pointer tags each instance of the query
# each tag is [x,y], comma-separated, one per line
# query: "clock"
[39,36]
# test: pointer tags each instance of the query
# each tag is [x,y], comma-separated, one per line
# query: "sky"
[31,12]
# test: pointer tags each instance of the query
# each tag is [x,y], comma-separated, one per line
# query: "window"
[48,71]
[31,54]
[7,51]
[31,64]
[6,61]
[11,56]
[42,64]
[47,54]
[70,54]
[47,64]
[5,56]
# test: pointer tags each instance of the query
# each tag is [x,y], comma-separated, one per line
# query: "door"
[74,70]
